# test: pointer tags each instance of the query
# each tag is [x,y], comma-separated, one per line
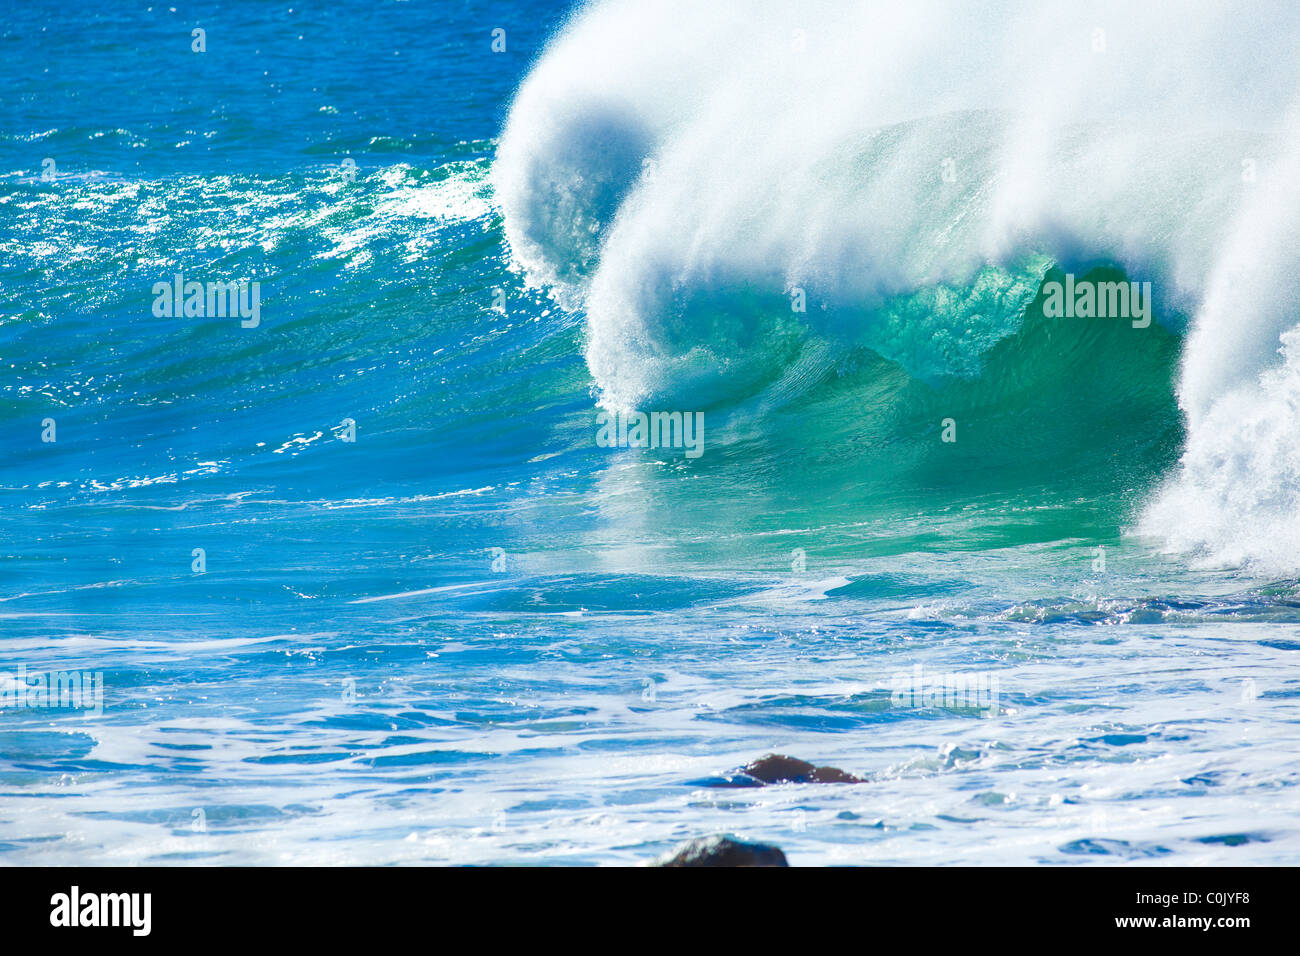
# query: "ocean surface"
[361,585]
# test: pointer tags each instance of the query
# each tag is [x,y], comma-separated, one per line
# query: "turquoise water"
[362,586]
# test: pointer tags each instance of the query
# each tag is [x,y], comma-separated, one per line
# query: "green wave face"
[1066,425]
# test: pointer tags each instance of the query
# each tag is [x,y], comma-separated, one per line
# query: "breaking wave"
[741,197]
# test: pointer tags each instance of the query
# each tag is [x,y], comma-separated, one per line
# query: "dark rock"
[723,850]
[778,768]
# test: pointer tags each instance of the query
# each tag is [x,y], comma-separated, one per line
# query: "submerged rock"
[723,850]
[778,768]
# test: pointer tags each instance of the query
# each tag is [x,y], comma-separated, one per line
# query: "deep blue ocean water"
[363,587]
